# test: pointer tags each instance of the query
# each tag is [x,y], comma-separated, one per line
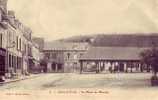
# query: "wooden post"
[137,65]
[96,66]
[125,67]
[111,67]
[81,67]
[141,67]
[99,66]
[56,67]
[104,66]
[49,67]
[131,65]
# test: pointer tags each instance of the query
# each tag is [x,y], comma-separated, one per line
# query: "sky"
[56,19]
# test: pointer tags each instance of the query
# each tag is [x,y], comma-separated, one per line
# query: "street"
[72,80]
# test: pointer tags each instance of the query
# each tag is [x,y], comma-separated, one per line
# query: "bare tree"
[150,57]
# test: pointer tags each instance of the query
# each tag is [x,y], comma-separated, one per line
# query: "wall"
[54,57]
[40,42]
[72,64]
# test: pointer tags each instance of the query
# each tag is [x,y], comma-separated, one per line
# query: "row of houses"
[19,54]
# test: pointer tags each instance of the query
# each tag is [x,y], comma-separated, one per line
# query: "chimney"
[3,5]
[11,18]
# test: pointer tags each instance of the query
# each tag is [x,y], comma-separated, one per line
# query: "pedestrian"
[110,69]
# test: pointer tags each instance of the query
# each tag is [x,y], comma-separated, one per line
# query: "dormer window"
[74,47]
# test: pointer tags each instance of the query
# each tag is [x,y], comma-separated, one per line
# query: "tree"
[150,57]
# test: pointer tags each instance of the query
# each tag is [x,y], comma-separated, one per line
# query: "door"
[2,65]
[53,66]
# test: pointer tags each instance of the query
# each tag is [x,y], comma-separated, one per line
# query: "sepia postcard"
[78,49]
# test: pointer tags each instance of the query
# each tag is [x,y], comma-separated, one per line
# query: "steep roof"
[113,53]
[65,46]
[126,40]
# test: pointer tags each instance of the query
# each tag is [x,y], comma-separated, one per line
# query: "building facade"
[16,44]
[63,57]
[72,56]
[34,66]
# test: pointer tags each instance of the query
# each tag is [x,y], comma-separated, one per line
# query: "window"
[10,62]
[74,47]
[1,40]
[68,55]
[81,54]
[47,55]
[75,56]
[86,47]
[10,37]
[19,61]
[0,15]
[25,48]
[17,42]
[54,55]
[15,63]
[20,44]
[29,50]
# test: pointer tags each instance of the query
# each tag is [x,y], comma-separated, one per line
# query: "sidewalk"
[20,78]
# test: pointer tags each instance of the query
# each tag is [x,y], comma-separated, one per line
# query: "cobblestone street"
[72,81]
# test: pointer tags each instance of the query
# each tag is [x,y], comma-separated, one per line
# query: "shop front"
[2,61]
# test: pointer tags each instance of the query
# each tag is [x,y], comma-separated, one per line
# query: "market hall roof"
[128,40]
[113,53]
